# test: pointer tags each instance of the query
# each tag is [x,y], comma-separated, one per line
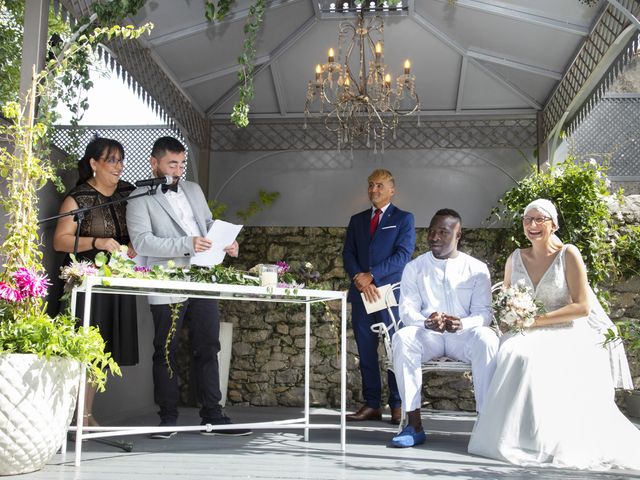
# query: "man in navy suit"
[379,243]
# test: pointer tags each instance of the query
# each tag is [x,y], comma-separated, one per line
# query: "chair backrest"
[389,301]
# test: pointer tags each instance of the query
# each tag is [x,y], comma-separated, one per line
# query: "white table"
[134,286]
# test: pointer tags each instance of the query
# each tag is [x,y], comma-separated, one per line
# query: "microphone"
[152,182]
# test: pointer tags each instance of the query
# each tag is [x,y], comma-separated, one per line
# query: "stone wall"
[267,365]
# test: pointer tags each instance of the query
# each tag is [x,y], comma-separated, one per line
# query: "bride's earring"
[94,174]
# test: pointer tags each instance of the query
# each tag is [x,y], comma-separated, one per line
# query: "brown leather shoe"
[396,415]
[365,413]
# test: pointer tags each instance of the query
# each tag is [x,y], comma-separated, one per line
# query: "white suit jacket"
[156,233]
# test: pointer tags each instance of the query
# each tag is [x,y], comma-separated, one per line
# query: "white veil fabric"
[600,322]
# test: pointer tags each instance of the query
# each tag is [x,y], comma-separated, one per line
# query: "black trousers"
[204,343]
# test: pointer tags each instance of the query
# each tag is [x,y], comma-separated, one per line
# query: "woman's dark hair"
[96,150]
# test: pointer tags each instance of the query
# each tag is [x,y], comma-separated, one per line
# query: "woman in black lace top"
[102,229]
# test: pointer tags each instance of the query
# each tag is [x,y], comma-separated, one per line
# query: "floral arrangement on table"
[515,308]
[119,265]
[305,275]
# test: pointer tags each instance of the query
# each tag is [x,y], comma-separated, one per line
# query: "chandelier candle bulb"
[407,67]
[387,80]
[378,51]
[318,74]
[331,56]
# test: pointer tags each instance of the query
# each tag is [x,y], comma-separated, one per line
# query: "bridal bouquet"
[515,308]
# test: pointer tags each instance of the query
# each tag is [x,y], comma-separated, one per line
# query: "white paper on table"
[381,303]
[222,234]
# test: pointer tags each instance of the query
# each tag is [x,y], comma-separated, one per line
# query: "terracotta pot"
[37,400]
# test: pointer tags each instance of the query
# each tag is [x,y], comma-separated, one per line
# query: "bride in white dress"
[551,399]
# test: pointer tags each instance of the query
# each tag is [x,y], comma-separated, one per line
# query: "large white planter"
[37,400]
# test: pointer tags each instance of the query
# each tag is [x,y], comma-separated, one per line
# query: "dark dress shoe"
[396,415]
[365,413]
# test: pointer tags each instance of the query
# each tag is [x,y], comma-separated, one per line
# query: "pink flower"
[140,268]
[8,293]
[283,267]
[30,284]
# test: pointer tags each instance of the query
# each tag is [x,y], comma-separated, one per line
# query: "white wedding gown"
[551,399]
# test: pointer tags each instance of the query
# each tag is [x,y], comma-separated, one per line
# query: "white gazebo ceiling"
[481,56]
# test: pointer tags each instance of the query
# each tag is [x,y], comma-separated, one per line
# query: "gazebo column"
[204,156]
[34,45]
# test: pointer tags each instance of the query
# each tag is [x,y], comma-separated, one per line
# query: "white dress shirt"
[184,211]
[382,210]
[459,286]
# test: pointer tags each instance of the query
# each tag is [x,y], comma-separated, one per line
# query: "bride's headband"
[545,206]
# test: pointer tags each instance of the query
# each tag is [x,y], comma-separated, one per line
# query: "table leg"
[343,374]
[307,368]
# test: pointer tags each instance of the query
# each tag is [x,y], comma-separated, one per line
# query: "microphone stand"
[78,216]
[79,213]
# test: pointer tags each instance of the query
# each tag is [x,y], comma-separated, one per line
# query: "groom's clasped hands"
[441,322]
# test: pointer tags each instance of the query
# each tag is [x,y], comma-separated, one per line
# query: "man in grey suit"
[172,225]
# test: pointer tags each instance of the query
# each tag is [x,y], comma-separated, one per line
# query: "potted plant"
[40,357]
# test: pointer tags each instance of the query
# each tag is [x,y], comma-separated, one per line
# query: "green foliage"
[218,209]
[46,337]
[212,14]
[11,17]
[265,199]
[11,38]
[113,12]
[628,333]
[580,191]
[240,114]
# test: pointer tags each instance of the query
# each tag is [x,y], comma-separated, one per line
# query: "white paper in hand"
[222,234]
[381,303]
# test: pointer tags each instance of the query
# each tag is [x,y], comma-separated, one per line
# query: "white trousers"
[414,345]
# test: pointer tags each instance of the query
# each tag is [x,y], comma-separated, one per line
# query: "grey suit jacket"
[156,233]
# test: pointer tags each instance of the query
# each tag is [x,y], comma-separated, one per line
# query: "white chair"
[442,364]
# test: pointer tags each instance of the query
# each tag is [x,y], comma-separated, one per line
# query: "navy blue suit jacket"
[384,255]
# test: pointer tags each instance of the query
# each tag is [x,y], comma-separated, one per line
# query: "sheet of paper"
[380,304]
[221,234]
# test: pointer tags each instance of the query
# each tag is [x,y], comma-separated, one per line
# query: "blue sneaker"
[408,437]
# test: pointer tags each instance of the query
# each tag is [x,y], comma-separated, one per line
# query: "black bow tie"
[173,187]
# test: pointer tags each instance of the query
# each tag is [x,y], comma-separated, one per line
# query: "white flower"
[593,162]
[510,318]
[607,183]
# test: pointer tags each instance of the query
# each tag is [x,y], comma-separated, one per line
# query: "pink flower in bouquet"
[30,284]
[283,267]
[8,293]
[141,269]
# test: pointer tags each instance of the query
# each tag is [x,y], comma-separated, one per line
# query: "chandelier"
[355,93]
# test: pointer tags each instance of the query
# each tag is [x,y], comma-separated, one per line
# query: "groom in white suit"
[172,225]
[445,305]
